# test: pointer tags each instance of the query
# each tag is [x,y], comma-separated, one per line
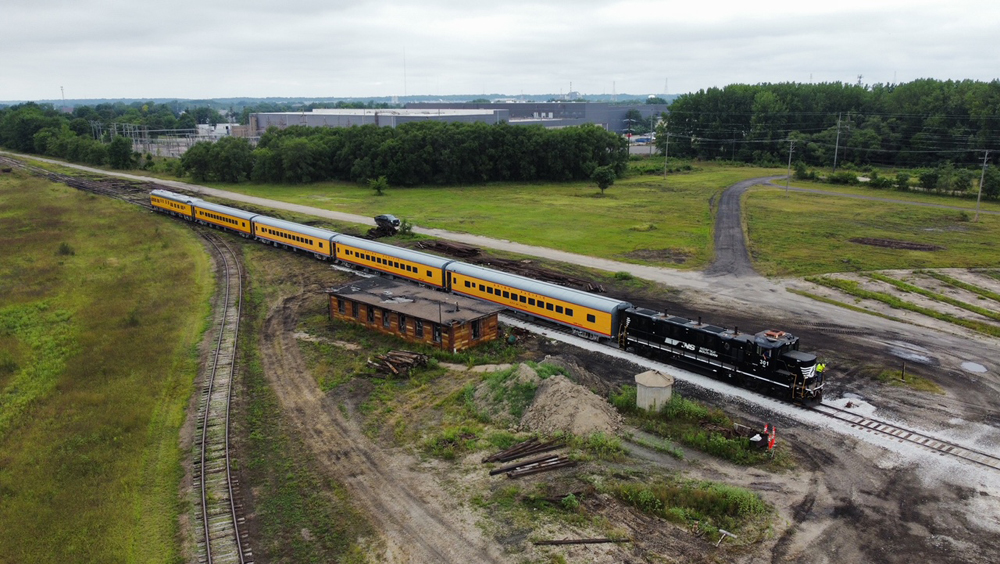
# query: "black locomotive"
[768,361]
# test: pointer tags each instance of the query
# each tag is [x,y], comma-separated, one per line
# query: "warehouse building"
[557,114]
[259,122]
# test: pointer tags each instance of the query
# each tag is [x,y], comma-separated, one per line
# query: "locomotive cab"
[806,382]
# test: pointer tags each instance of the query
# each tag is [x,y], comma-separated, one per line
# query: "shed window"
[341,306]
[354,309]
[437,333]
[402,324]
[418,327]
[477,329]
[371,314]
[385,318]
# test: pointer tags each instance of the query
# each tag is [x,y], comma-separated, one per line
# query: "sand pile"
[561,405]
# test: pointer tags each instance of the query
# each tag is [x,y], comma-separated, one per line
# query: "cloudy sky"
[258,48]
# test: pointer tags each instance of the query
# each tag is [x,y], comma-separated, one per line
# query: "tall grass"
[91,409]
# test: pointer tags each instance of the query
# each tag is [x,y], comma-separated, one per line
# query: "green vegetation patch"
[797,234]
[912,381]
[934,295]
[694,425]
[960,284]
[704,506]
[101,307]
[852,288]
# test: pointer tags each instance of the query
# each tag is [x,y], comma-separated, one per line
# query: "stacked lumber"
[397,362]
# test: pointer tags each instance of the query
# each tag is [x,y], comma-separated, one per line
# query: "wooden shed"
[416,313]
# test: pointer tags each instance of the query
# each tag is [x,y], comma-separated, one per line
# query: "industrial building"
[259,122]
[558,114]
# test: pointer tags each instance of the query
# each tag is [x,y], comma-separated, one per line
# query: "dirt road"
[418,521]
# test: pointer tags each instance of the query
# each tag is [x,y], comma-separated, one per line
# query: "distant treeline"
[921,123]
[411,154]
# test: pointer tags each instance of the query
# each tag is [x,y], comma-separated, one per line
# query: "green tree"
[991,183]
[120,153]
[379,185]
[604,177]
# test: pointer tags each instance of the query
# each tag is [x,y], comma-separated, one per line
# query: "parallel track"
[220,518]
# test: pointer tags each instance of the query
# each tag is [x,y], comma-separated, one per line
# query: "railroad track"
[905,435]
[220,540]
[133,192]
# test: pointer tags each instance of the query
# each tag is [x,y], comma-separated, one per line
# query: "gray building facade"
[557,114]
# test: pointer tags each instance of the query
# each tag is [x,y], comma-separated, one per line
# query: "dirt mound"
[894,244]
[501,397]
[561,405]
[579,374]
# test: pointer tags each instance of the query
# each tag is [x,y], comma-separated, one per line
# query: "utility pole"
[787,177]
[666,151]
[836,147]
[982,177]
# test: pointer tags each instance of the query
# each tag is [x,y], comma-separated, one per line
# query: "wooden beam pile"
[397,362]
[527,448]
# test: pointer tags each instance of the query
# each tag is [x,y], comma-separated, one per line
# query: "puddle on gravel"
[973,367]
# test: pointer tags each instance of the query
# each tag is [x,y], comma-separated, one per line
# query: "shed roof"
[654,379]
[415,301]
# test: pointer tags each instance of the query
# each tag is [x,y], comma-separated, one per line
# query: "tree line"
[411,154]
[924,123]
[83,135]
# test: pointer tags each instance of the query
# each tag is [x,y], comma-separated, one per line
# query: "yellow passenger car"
[414,265]
[294,235]
[588,313]
[225,217]
[173,203]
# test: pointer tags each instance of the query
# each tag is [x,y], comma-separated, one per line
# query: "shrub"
[843,177]
[623,275]
[65,249]
[625,400]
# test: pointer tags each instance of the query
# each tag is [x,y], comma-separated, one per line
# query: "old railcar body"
[769,360]
[587,313]
[404,263]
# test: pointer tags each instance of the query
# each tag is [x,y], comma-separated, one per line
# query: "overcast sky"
[336,48]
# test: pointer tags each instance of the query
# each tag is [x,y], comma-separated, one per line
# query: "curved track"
[219,520]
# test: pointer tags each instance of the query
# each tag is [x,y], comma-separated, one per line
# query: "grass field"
[967,200]
[799,234]
[101,307]
[642,218]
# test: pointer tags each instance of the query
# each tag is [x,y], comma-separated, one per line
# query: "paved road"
[731,255]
